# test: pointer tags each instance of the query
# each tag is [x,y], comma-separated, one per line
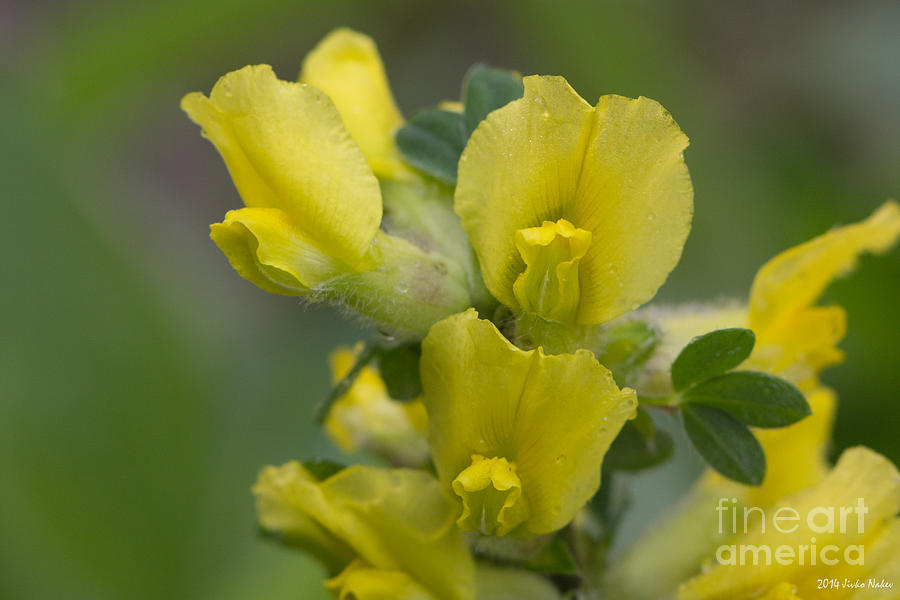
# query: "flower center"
[491,493]
[549,284]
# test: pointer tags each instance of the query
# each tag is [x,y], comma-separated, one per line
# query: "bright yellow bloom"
[293,161]
[577,213]
[795,340]
[827,540]
[517,436]
[314,206]
[390,533]
[366,418]
[347,67]
[797,456]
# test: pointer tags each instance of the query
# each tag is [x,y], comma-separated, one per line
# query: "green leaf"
[554,557]
[710,355]
[485,90]
[342,386]
[432,141]
[756,399]
[322,469]
[639,446]
[399,368]
[727,444]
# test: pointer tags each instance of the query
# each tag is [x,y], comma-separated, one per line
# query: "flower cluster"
[503,246]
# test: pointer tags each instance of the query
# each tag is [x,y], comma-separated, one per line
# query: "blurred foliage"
[142,383]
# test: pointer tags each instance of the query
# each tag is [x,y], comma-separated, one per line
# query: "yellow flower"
[517,436]
[797,456]
[577,213]
[845,527]
[294,163]
[304,168]
[795,340]
[366,418]
[388,534]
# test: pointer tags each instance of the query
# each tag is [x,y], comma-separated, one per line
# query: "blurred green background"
[143,383]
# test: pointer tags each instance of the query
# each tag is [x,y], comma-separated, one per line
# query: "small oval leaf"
[756,399]
[725,443]
[432,141]
[710,355]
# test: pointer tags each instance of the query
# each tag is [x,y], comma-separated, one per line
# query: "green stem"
[670,401]
[343,386]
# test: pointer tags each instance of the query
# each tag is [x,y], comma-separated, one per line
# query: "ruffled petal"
[346,66]
[282,495]
[286,147]
[553,416]
[796,278]
[394,520]
[266,248]
[359,582]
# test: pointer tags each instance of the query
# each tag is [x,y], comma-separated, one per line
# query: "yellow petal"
[491,494]
[280,494]
[346,66]
[635,195]
[616,171]
[796,278]
[549,285]
[266,248]
[883,564]
[393,520]
[860,475]
[553,416]
[286,147]
[799,348]
[359,582]
[780,591]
